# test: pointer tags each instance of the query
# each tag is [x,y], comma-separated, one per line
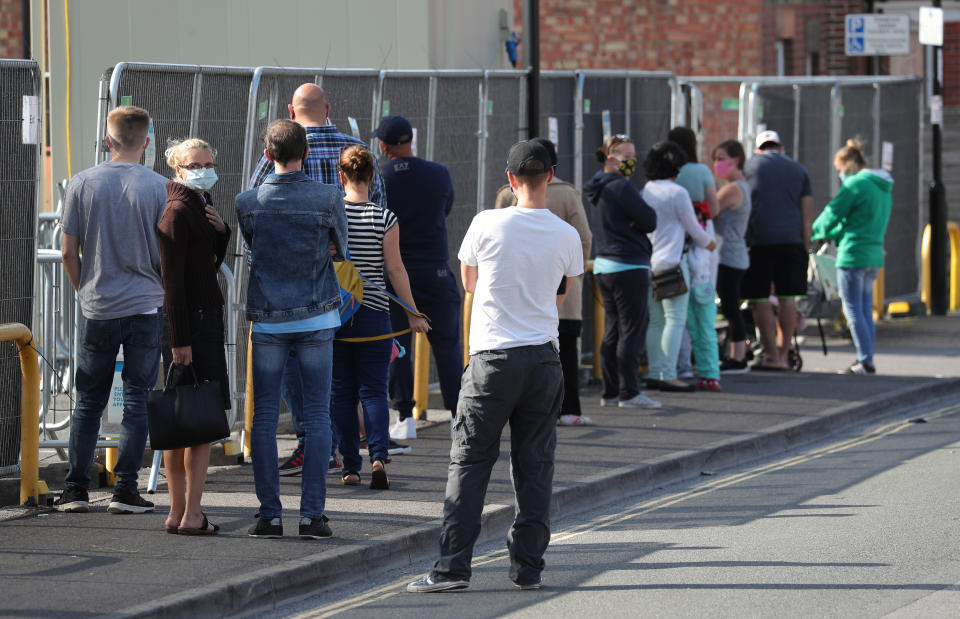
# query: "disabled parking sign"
[877,34]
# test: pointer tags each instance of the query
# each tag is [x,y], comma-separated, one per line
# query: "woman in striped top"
[360,368]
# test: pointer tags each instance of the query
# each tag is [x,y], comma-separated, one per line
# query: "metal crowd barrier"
[21,107]
[29,467]
[953,232]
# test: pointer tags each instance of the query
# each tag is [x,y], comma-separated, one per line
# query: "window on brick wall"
[813,63]
[784,50]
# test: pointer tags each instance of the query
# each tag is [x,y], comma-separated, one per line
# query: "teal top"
[857,219]
[696,178]
[330,320]
[607,266]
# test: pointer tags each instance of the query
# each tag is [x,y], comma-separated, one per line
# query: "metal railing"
[29,406]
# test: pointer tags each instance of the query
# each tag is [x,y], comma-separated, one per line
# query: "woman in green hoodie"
[857,220]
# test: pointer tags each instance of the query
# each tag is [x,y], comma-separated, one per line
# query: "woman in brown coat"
[193,241]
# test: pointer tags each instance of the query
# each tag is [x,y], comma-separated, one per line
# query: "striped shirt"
[366,225]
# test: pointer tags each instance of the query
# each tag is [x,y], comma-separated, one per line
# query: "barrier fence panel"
[505,125]
[815,150]
[651,112]
[20,134]
[603,96]
[456,123]
[558,100]
[901,115]
[776,107]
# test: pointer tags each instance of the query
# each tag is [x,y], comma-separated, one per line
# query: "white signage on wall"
[877,34]
[931,26]
[553,131]
[30,127]
[887,156]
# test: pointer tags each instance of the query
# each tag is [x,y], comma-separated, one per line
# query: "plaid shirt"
[322,161]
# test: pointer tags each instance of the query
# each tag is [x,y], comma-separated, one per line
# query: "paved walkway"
[53,563]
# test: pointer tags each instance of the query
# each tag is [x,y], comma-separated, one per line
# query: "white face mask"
[200,180]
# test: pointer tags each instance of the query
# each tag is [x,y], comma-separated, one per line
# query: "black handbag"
[668,284]
[186,415]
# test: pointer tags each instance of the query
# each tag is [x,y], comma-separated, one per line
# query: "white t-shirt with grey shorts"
[113,209]
[521,255]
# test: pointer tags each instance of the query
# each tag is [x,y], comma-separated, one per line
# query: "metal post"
[938,203]
[578,133]
[29,407]
[533,47]
[482,140]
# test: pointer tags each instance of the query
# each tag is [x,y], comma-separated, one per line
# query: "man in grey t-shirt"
[110,217]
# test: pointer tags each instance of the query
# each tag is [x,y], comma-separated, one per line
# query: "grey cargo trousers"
[523,387]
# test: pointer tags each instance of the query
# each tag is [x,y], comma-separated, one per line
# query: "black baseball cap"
[528,157]
[394,129]
[551,148]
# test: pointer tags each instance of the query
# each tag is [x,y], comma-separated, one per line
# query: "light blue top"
[606,266]
[695,178]
[330,320]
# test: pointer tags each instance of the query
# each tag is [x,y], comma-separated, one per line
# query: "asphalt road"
[865,525]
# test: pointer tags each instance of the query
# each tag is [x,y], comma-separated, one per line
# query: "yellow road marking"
[398,586]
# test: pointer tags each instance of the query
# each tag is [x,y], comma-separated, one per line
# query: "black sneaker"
[431,583]
[74,500]
[129,502]
[525,586]
[732,366]
[313,528]
[294,464]
[396,449]
[861,367]
[271,528]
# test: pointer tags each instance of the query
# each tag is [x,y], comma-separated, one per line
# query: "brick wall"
[11,29]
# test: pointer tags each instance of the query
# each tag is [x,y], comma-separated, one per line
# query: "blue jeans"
[360,373]
[291,390]
[668,318]
[856,293]
[100,341]
[314,350]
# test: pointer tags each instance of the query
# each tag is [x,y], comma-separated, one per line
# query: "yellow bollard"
[467,315]
[248,399]
[421,375]
[599,324]
[879,298]
[953,233]
[111,462]
[29,410]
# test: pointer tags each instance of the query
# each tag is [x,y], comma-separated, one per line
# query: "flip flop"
[378,478]
[206,528]
[350,478]
[171,528]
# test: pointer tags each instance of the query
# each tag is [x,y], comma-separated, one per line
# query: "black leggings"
[728,289]
[570,363]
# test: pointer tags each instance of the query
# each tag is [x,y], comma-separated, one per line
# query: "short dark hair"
[664,161]
[285,140]
[734,149]
[685,138]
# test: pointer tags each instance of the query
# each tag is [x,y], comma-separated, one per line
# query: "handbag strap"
[181,368]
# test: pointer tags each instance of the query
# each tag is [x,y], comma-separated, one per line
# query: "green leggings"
[702,326]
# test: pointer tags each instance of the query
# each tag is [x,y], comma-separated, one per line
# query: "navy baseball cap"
[393,130]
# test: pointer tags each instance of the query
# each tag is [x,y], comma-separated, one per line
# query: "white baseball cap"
[767,136]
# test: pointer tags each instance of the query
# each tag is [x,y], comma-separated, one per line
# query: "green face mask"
[627,166]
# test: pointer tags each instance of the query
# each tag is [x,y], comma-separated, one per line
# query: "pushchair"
[822,291]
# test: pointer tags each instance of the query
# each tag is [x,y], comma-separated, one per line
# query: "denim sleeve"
[338,235]
[377,195]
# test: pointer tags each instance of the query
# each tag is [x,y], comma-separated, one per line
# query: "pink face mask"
[723,167]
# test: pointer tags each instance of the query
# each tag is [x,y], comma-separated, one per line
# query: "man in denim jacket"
[294,228]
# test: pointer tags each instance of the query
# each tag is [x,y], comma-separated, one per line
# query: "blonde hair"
[852,152]
[127,126]
[611,144]
[177,150]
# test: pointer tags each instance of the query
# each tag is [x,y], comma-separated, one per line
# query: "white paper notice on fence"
[936,110]
[354,128]
[553,131]
[761,127]
[413,142]
[31,119]
[150,154]
[887,156]
[607,129]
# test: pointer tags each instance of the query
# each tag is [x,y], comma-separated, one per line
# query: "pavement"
[54,564]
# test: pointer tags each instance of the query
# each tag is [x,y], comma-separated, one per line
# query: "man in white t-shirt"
[512,259]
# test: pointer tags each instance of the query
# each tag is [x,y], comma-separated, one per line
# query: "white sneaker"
[404,429]
[574,420]
[608,401]
[639,401]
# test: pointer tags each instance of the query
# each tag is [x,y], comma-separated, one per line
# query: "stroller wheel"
[794,360]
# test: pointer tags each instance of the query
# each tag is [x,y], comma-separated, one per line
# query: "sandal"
[350,478]
[378,476]
[206,528]
[171,528]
